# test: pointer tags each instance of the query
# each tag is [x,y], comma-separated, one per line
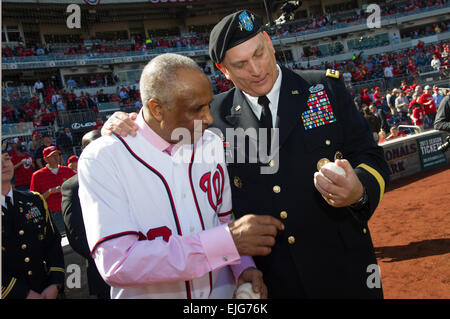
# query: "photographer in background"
[442,122]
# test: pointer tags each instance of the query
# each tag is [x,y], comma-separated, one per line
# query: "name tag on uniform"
[320,111]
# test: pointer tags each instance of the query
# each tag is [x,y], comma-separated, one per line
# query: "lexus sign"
[82,126]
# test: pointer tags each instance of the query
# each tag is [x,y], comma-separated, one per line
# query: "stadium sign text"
[82,126]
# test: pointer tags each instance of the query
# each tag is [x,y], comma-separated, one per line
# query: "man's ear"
[156,109]
[223,69]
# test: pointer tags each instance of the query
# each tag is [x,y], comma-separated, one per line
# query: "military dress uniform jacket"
[323,251]
[32,257]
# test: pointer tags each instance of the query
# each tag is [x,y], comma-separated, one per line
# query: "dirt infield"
[411,234]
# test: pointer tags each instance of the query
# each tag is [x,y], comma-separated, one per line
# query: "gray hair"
[159,77]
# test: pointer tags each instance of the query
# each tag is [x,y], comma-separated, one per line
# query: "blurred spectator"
[401,104]
[436,63]
[374,122]
[381,115]
[437,96]
[38,157]
[381,136]
[99,124]
[72,84]
[72,162]
[378,97]
[102,97]
[48,180]
[395,133]
[23,168]
[417,115]
[429,108]
[64,142]
[39,87]
[389,76]
[365,99]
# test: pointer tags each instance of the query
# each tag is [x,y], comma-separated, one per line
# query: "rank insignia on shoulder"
[332,73]
[294,92]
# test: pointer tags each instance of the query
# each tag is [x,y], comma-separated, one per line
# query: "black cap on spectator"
[231,31]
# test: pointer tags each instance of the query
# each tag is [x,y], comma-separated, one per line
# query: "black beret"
[231,31]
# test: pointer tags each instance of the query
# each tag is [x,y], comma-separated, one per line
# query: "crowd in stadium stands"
[57,100]
[360,68]
[313,24]
[389,65]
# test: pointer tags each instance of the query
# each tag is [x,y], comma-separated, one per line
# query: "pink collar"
[151,136]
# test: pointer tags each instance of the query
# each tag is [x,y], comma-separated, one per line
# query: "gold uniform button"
[27,260]
[24,246]
[364,231]
[291,240]
[328,142]
[276,189]
[29,273]
[283,214]
[21,232]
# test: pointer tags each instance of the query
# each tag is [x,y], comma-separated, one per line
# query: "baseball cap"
[231,31]
[427,87]
[22,148]
[49,151]
[72,159]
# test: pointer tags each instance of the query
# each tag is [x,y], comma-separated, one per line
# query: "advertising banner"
[429,155]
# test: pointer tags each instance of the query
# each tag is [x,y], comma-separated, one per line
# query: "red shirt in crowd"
[417,116]
[43,179]
[430,108]
[23,173]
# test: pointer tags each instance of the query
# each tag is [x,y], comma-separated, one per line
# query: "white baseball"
[335,168]
[245,291]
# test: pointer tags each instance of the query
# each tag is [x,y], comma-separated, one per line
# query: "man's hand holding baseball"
[339,190]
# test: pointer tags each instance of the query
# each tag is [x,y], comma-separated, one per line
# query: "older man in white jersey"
[157,208]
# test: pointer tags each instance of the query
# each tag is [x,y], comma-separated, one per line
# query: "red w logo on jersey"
[210,183]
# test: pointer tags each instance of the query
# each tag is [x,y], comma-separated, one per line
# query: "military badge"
[317,88]
[295,92]
[320,111]
[245,21]
[321,163]
[33,214]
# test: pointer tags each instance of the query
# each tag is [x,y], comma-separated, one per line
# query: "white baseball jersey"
[127,186]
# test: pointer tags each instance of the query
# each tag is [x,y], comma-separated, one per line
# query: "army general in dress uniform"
[32,257]
[325,249]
